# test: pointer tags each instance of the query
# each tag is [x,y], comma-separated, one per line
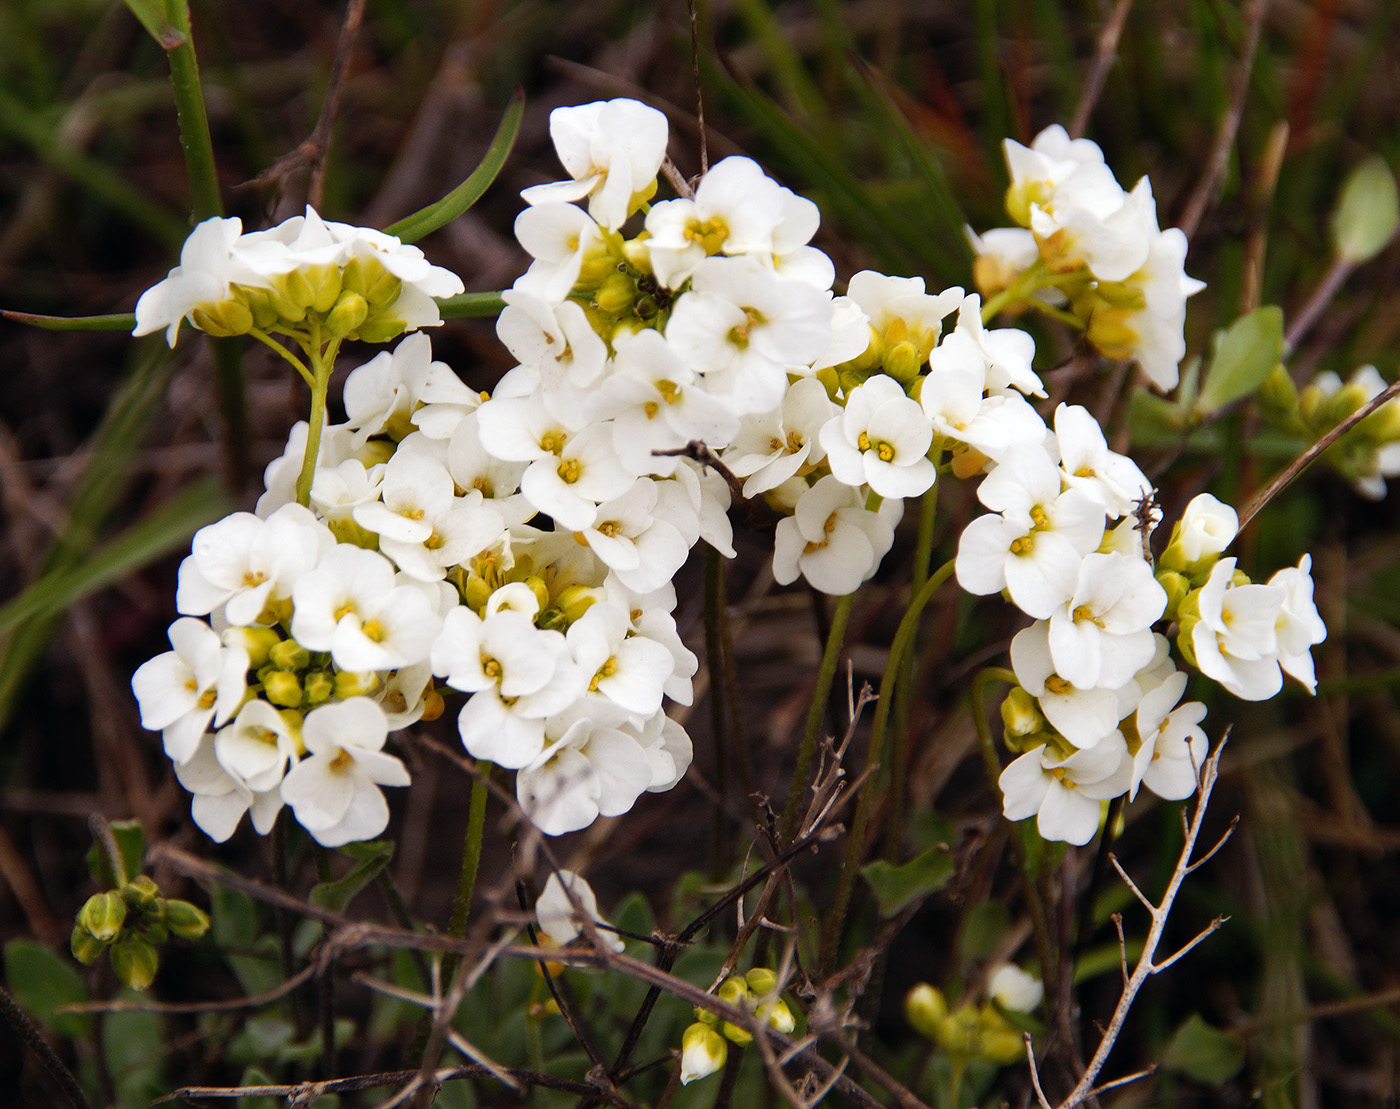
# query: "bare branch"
[1122,947]
[1131,884]
[1213,926]
[1035,1072]
[1124,1080]
[1234,823]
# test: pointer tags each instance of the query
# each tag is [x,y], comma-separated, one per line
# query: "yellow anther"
[570,471]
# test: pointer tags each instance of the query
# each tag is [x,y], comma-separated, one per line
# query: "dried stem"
[1104,57]
[1147,964]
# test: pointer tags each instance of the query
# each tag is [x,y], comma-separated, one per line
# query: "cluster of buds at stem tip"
[990,1030]
[705,1044]
[128,923]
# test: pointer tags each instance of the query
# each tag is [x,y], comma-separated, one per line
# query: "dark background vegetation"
[93,205]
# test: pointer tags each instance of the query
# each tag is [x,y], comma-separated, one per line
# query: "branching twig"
[1147,964]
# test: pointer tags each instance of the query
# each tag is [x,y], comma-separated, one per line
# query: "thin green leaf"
[471,306]
[1367,212]
[42,983]
[897,886]
[130,838]
[1204,1053]
[134,1047]
[152,15]
[412,228]
[373,856]
[165,529]
[1245,354]
[118,321]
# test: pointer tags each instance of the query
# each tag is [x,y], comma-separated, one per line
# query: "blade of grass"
[119,321]
[153,537]
[412,228]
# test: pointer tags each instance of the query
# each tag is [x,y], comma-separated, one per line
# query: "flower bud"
[184,920]
[345,317]
[85,946]
[134,961]
[380,329]
[1278,394]
[228,317]
[777,1015]
[317,686]
[258,642]
[576,600]
[433,705]
[141,892]
[703,1051]
[103,915]
[1110,331]
[349,684]
[760,981]
[1020,715]
[282,689]
[1205,529]
[616,295]
[925,1010]
[1177,587]
[902,362]
[288,654]
[1012,988]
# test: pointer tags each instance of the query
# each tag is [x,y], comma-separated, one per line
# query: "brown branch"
[1104,58]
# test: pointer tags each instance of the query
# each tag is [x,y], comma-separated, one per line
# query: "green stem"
[875,757]
[792,812]
[471,862]
[1027,282]
[923,555]
[1045,948]
[296,363]
[322,361]
[189,108]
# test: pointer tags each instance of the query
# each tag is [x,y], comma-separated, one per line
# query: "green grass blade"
[153,537]
[119,321]
[412,228]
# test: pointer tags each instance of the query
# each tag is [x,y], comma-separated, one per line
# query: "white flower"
[350,606]
[182,691]
[632,536]
[1235,641]
[1034,547]
[566,902]
[589,770]
[221,798]
[953,396]
[383,395]
[559,237]
[247,564]
[200,282]
[1012,988]
[1082,716]
[555,339]
[1299,626]
[257,746]
[831,539]
[1173,745]
[625,672]
[1110,478]
[1102,634]
[1152,335]
[703,1052]
[1206,528]
[771,447]
[1064,793]
[881,438]
[519,675]
[612,150]
[334,791]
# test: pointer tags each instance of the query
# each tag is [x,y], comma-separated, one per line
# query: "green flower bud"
[184,920]
[103,915]
[734,991]
[616,295]
[141,892]
[761,981]
[778,1016]
[539,589]
[1345,401]
[134,961]
[902,362]
[380,329]
[289,655]
[925,1009]
[597,268]
[349,684]
[282,689]
[1177,587]
[349,312]
[317,686]
[734,1034]
[576,600]
[476,593]
[228,317]
[999,1042]
[258,642]
[85,946]
[1278,395]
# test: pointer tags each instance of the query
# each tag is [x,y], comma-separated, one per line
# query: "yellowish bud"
[103,915]
[349,312]
[134,961]
[185,921]
[282,689]
[317,686]
[925,1009]
[350,684]
[703,1052]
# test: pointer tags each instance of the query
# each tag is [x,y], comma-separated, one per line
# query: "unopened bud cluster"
[705,1044]
[977,1029]
[129,924]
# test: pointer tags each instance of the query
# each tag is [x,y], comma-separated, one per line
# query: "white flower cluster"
[520,547]
[1085,242]
[1098,709]
[362,284]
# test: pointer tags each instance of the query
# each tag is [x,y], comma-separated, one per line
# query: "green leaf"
[42,983]
[1367,212]
[373,856]
[471,306]
[235,927]
[896,886]
[412,228]
[1204,1053]
[133,1042]
[120,321]
[152,15]
[1245,354]
[164,530]
[1156,421]
[131,843]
